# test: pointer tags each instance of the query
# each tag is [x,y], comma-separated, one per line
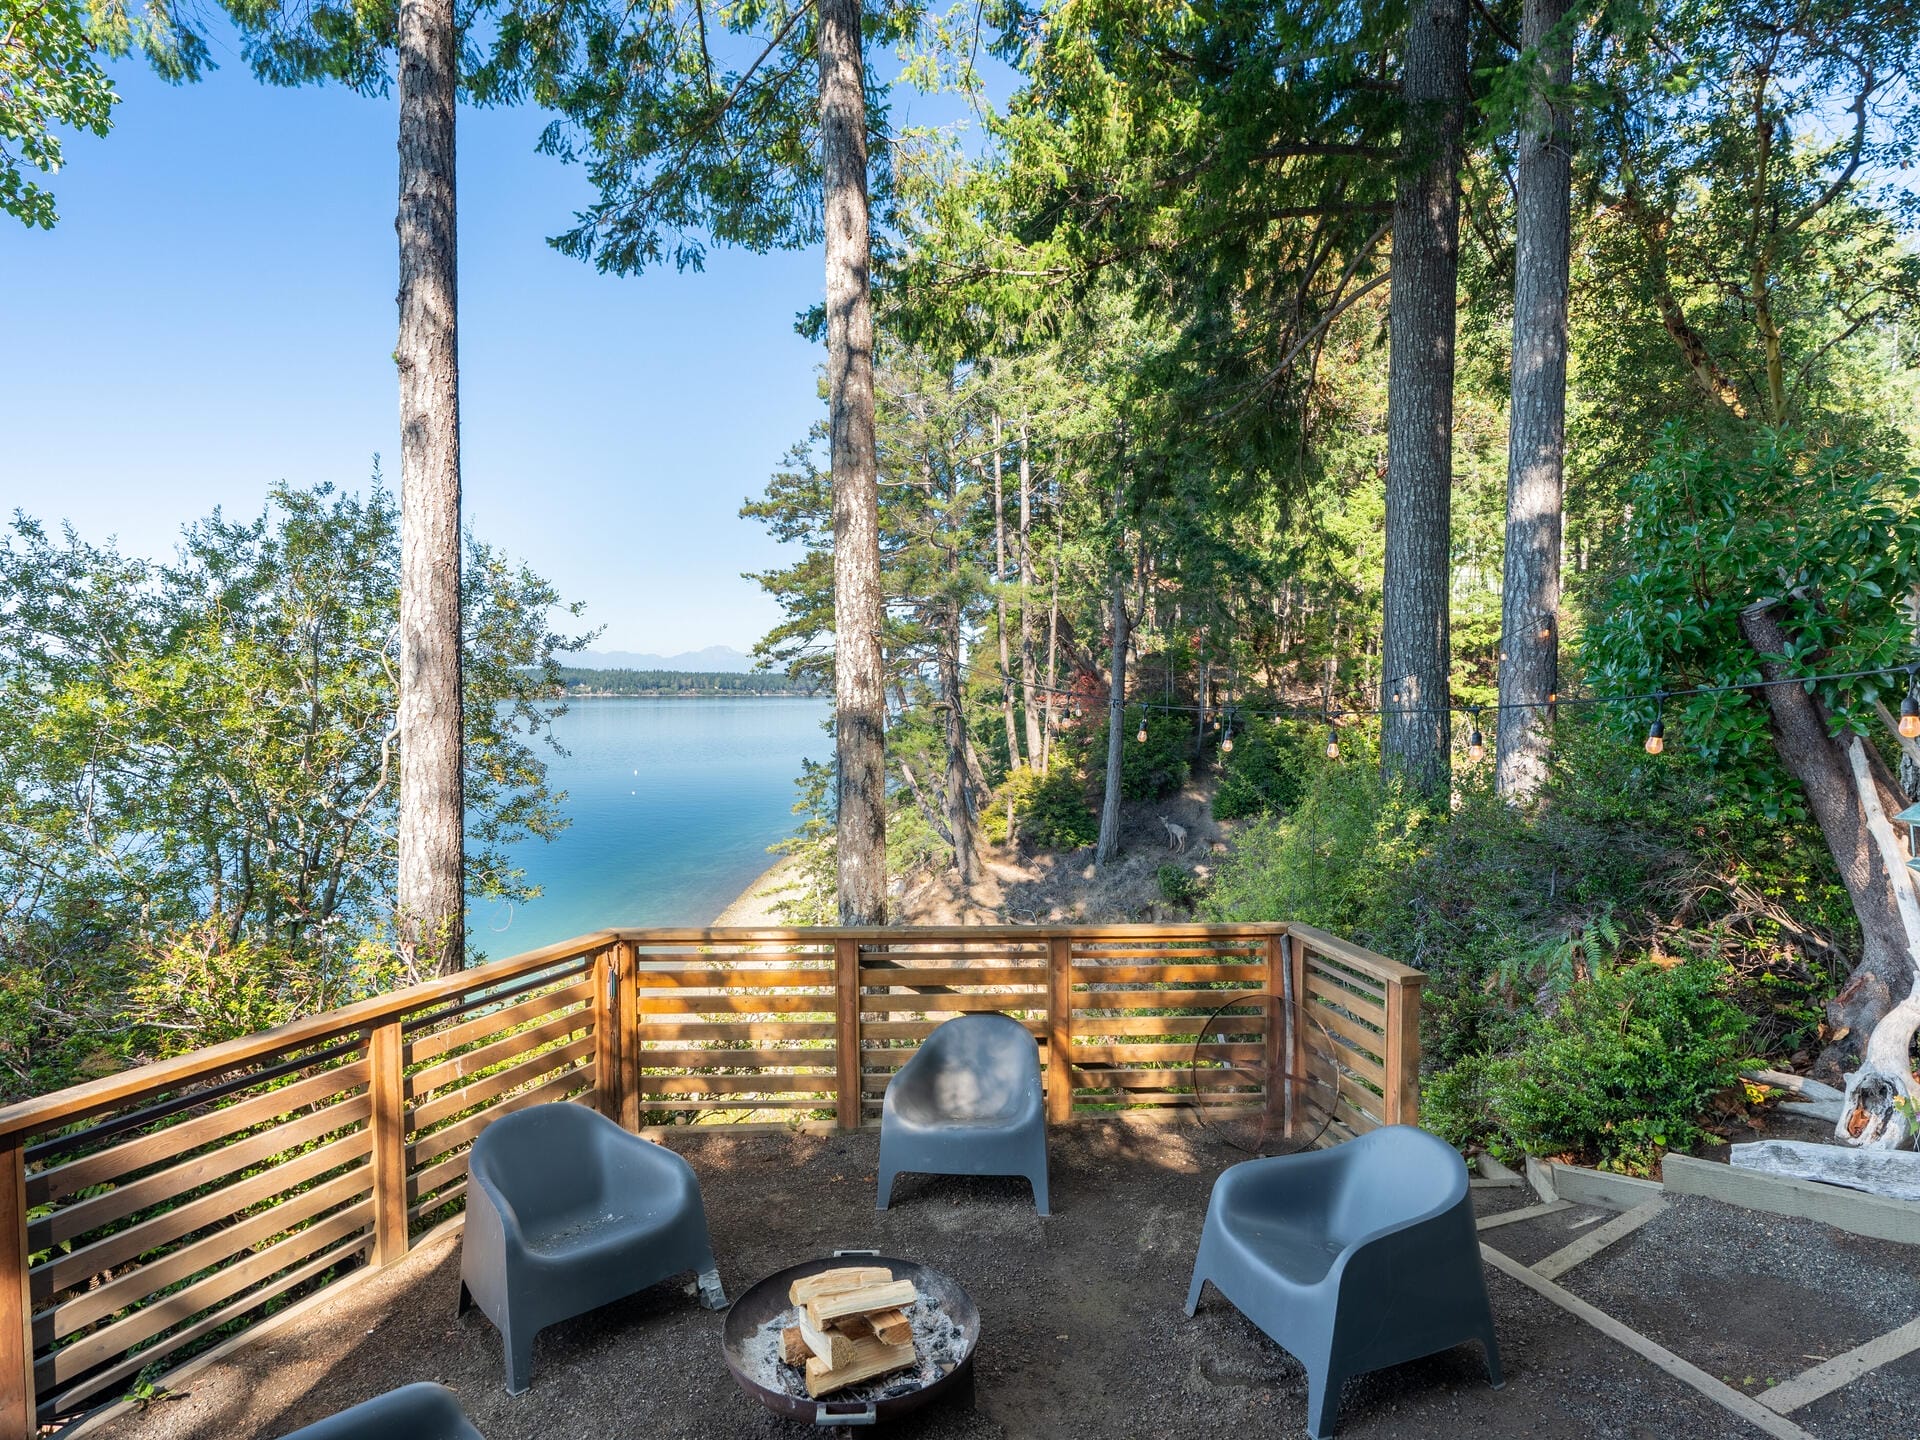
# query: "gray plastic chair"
[567,1212]
[413,1412]
[967,1103]
[1352,1258]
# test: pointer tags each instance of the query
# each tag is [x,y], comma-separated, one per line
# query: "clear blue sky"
[215,312]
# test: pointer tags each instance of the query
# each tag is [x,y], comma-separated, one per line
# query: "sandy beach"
[755,905]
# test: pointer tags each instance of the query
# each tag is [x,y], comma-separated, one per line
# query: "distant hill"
[578,681]
[714,660]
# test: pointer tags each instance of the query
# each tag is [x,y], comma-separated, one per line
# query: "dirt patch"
[1082,1332]
[1022,887]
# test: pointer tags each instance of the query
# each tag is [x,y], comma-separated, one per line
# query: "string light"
[1226,741]
[1333,737]
[1476,744]
[1657,732]
[1910,706]
[1142,736]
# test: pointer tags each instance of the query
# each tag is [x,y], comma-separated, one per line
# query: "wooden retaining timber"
[146,1214]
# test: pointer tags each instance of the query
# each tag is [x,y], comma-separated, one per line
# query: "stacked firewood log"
[853,1326]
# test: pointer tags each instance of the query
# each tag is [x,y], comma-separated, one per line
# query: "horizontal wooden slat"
[1204,1001]
[721,1057]
[655,1030]
[1091,955]
[719,1107]
[435,1043]
[472,1062]
[655,1002]
[433,1146]
[96,1211]
[126,1369]
[451,1102]
[1373,1041]
[918,955]
[172,1141]
[448,1196]
[1333,975]
[769,1082]
[1321,988]
[137,1284]
[920,1029]
[958,975]
[741,977]
[1186,1024]
[1172,974]
[61,1271]
[990,1000]
[1128,1054]
[71,1361]
[1143,1079]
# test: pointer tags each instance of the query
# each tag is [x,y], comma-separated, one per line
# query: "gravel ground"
[1755,1298]
[1531,1241]
[1082,1334]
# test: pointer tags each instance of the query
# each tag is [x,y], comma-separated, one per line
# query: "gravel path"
[1082,1331]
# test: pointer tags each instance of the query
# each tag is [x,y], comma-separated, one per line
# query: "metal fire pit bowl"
[761,1302]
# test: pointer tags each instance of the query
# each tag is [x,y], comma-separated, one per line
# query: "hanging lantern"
[1910,717]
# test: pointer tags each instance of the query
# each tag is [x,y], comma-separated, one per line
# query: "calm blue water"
[674,803]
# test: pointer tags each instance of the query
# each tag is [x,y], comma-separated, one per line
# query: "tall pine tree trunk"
[1536,441]
[430,919]
[1000,601]
[1416,727]
[959,803]
[1109,842]
[1029,707]
[858,697]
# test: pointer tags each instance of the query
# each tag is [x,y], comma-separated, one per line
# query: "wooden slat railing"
[147,1213]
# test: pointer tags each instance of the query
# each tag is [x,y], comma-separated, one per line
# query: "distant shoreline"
[757,905]
[571,693]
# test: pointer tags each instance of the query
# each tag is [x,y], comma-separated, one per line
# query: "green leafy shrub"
[1180,886]
[1049,810]
[1324,863]
[1147,771]
[1265,772]
[1619,1073]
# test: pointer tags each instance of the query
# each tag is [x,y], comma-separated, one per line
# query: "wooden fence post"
[627,1028]
[17,1420]
[846,1032]
[386,1087]
[1402,1100]
[607,1089]
[1276,1082]
[1059,1030]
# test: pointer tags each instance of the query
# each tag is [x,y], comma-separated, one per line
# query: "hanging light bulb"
[1910,718]
[1333,743]
[1142,736]
[1476,747]
[1226,742]
[1553,706]
[1656,737]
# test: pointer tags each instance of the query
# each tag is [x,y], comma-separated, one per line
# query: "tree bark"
[1882,1095]
[1030,709]
[858,695]
[1803,737]
[1053,657]
[1416,729]
[1000,604]
[959,804]
[1536,437]
[1109,841]
[430,903]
